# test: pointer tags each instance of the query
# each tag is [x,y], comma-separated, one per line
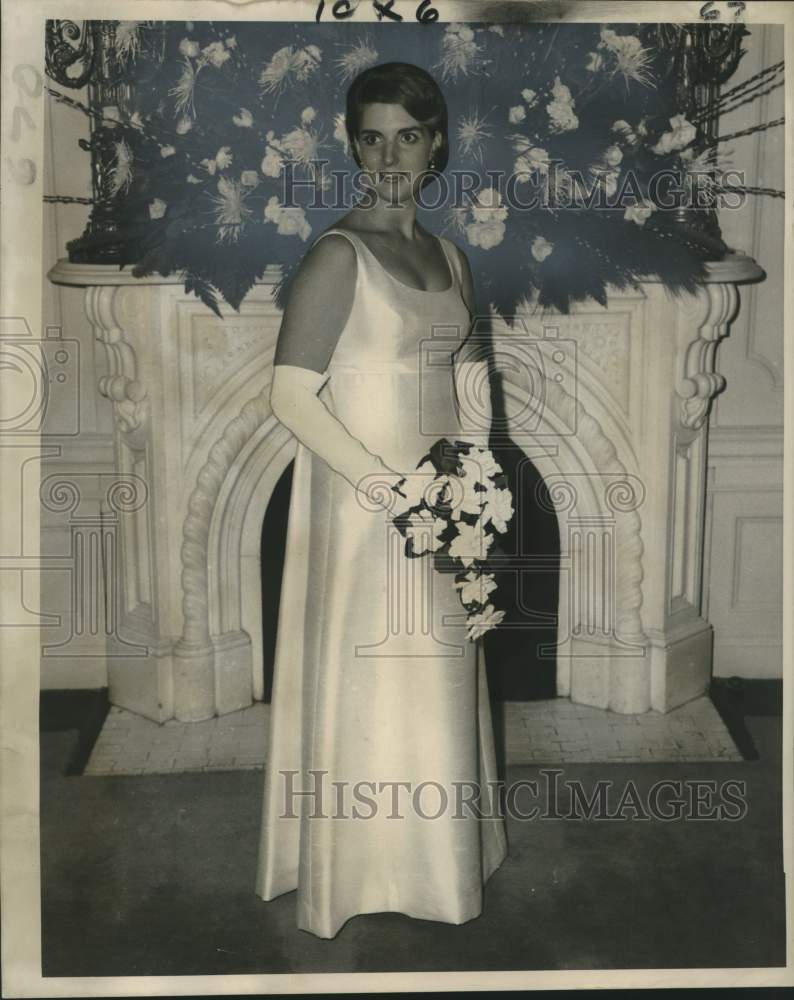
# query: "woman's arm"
[315,314]
[472,381]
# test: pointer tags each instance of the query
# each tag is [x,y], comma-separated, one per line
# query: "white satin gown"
[375,682]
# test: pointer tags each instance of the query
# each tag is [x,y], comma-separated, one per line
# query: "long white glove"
[294,401]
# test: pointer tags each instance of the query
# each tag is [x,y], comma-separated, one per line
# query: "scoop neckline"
[410,288]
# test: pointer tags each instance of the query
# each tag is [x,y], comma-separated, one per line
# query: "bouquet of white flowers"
[458,515]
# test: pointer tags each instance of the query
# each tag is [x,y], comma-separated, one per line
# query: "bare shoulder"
[331,259]
[318,305]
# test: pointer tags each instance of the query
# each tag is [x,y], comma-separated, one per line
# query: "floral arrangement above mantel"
[584,164]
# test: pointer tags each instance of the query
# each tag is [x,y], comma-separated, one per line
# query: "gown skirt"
[380,725]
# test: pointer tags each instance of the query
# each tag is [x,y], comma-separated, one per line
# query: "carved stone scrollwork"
[716,306]
[121,386]
[621,497]
[195,533]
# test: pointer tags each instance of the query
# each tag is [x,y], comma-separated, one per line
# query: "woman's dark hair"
[413,88]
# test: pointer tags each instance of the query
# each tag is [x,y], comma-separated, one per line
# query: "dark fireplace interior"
[519,668]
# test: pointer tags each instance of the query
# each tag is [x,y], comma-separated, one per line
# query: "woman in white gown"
[380,711]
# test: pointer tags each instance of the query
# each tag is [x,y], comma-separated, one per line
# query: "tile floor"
[536,732]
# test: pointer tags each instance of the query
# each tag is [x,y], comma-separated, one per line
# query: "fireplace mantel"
[618,397]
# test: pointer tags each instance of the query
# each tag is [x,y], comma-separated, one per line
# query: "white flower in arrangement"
[529,96]
[460,53]
[308,115]
[488,228]
[340,131]
[357,58]
[127,39]
[209,165]
[215,53]
[682,134]
[191,179]
[475,587]
[249,178]
[560,109]
[184,125]
[224,157]
[289,62]
[166,151]
[472,133]
[135,120]
[516,114]
[272,162]
[497,29]
[498,509]
[243,118]
[625,132]
[639,213]
[485,235]
[289,221]
[532,159]
[121,170]
[488,206]
[456,218]
[596,62]
[157,208]
[481,464]
[541,248]
[606,178]
[463,31]
[230,209]
[613,155]
[189,48]
[706,170]
[231,42]
[423,485]
[300,144]
[184,91]
[632,60]
[424,530]
[465,498]
[483,621]
[471,542]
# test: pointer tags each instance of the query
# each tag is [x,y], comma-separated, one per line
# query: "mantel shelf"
[737,268]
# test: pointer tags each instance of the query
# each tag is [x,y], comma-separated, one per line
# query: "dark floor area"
[153,875]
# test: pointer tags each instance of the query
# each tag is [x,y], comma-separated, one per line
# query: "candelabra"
[703,57]
[89,54]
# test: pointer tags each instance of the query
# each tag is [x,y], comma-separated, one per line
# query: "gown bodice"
[392,372]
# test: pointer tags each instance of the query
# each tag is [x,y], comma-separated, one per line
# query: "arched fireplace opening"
[520,654]
[273,551]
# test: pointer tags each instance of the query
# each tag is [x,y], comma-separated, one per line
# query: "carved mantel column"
[178,379]
[619,405]
[619,399]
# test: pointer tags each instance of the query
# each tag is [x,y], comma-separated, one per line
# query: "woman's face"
[394,149]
